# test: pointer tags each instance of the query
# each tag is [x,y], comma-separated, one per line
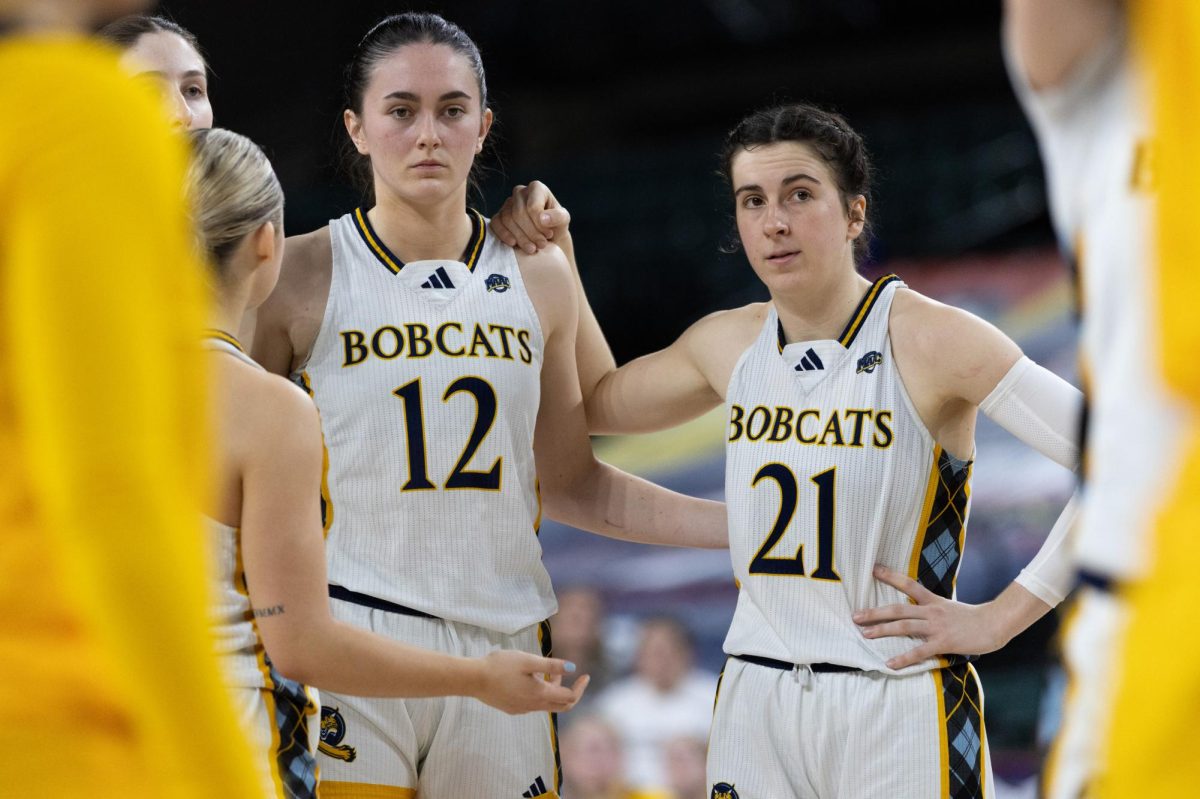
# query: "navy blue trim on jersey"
[783,665]
[368,601]
[470,254]
[1100,582]
[859,317]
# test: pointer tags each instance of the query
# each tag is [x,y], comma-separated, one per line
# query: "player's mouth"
[428,166]
[782,258]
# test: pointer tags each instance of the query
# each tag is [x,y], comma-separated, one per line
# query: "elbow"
[564,495]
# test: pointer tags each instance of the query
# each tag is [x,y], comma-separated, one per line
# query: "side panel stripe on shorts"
[960,732]
[363,790]
[547,650]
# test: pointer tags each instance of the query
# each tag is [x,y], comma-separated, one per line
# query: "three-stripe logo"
[809,362]
[440,279]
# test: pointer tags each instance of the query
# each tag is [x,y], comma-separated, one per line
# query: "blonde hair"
[233,192]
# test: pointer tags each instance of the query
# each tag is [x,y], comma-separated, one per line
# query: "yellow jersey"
[110,686]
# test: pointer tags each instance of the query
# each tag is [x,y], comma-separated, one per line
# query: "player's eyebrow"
[402,95]
[789,179]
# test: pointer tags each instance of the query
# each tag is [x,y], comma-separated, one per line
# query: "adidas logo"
[438,280]
[537,789]
[810,362]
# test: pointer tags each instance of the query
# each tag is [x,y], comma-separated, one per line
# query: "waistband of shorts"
[1099,581]
[783,665]
[368,601]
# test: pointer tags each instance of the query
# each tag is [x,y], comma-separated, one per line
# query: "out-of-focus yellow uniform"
[1154,747]
[108,683]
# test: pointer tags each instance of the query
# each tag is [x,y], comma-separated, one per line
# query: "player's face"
[174,68]
[421,123]
[790,218]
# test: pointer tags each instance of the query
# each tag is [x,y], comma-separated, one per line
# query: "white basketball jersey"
[1093,135]
[427,377]
[830,471]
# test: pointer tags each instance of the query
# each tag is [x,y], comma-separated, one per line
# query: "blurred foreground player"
[110,687]
[1074,68]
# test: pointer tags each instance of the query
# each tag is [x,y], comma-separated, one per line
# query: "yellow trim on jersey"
[381,252]
[327,522]
[475,243]
[983,750]
[864,310]
[537,492]
[545,643]
[470,254]
[268,690]
[363,790]
[943,744]
[228,338]
[931,485]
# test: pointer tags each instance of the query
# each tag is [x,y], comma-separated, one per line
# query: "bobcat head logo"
[333,730]
[723,790]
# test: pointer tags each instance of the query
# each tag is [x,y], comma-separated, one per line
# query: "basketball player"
[442,365]
[168,56]
[851,422]
[110,687]
[266,527]
[1074,72]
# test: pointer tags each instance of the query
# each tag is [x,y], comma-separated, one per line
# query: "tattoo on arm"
[274,610]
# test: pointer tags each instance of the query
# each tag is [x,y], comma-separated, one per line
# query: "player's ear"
[857,213]
[485,124]
[265,242]
[354,127]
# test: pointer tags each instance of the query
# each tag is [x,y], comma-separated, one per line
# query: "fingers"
[887,613]
[910,627]
[551,667]
[913,656]
[904,584]
[500,224]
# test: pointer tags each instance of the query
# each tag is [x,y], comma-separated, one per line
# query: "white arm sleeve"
[1039,408]
[1042,410]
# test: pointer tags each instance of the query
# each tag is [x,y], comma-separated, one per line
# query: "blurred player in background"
[273,619]
[1074,70]
[167,56]
[110,684]
[443,368]
[1076,67]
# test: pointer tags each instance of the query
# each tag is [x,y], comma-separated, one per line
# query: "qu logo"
[868,362]
[723,790]
[333,729]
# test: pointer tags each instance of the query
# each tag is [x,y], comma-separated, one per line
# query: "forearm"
[334,656]
[1012,613]
[618,505]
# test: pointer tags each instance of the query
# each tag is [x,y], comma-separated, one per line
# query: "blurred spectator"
[577,631]
[665,698]
[685,760]
[593,763]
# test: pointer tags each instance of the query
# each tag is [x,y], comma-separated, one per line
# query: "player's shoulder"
[267,404]
[545,269]
[739,325]
[307,265]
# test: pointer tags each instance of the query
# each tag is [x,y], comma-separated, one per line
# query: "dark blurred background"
[621,107]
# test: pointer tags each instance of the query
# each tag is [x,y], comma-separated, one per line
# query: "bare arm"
[531,219]
[953,362]
[1050,38]
[284,556]
[576,488]
[286,325]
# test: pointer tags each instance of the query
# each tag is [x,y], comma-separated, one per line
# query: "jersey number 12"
[414,424]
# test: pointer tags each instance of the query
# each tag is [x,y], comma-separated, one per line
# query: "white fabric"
[1092,633]
[647,719]
[884,467]
[450,747]
[1093,134]
[465,554]
[1042,410]
[861,735]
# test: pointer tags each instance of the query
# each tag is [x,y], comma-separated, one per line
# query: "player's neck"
[422,232]
[822,314]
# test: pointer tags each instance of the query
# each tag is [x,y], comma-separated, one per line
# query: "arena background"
[620,106]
